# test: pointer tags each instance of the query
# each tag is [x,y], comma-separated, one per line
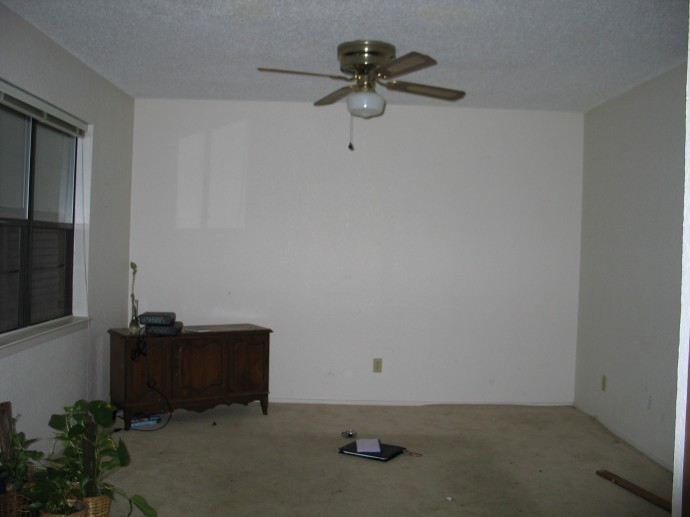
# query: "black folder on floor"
[388,452]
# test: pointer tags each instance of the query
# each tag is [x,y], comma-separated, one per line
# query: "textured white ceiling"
[518,54]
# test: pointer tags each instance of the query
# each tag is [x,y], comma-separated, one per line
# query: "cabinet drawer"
[248,363]
[198,367]
[147,374]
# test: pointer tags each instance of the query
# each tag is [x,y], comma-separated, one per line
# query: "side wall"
[680,471]
[446,244]
[41,380]
[631,263]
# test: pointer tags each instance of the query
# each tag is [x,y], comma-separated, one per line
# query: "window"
[38,156]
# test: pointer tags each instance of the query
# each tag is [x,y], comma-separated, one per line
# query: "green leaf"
[81,406]
[76,431]
[103,413]
[144,506]
[58,422]
[123,453]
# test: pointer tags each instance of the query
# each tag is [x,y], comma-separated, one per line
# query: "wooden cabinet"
[197,369]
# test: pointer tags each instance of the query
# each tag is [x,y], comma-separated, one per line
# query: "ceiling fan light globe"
[365,104]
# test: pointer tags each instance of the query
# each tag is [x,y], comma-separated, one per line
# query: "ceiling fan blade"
[336,95]
[404,65]
[312,74]
[424,89]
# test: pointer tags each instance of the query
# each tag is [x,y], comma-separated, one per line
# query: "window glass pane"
[15,139]
[54,176]
[10,240]
[37,180]
[48,274]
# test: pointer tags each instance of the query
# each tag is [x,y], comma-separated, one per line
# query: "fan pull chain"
[352,125]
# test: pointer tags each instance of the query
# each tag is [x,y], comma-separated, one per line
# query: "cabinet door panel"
[148,371]
[248,366]
[199,367]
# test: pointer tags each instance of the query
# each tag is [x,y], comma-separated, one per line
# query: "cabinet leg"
[264,405]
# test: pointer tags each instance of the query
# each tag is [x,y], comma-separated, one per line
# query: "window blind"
[28,104]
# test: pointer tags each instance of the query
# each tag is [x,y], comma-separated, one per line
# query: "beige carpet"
[472,461]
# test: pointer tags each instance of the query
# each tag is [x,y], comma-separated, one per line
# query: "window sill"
[23,339]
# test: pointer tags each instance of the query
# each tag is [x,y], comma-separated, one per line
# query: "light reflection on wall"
[211,178]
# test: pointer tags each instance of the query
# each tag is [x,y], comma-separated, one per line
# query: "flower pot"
[98,506]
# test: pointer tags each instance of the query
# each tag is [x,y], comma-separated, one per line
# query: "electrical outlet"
[378,365]
[603,383]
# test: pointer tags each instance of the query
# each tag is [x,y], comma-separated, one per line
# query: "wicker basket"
[11,504]
[98,506]
[80,513]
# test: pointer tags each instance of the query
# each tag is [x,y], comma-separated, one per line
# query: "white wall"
[447,243]
[41,380]
[631,263]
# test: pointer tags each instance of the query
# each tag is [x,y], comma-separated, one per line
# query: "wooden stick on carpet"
[632,487]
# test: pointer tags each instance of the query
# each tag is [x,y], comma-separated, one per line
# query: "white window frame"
[21,339]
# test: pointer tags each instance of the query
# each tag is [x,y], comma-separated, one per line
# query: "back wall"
[446,244]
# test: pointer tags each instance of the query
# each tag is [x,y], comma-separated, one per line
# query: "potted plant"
[53,492]
[89,452]
[17,462]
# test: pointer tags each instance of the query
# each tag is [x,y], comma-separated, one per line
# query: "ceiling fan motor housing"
[360,56]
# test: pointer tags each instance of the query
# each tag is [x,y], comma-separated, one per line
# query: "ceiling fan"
[369,63]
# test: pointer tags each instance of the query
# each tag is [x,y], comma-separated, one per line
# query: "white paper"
[368,445]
